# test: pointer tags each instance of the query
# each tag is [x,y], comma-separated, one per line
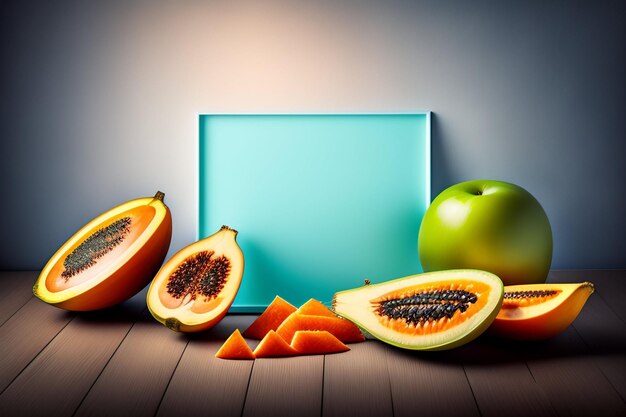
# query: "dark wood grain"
[557,367]
[26,334]
[425,383]
[599,325]
[605,336]
[357,382]
[16,289]
[285,387]
[205,385]
[121,362]
[500,379]
[138,373]
[62,374]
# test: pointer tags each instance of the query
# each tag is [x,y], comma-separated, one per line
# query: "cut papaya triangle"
[273,346]
[192,313]
[315,308]
[344,330]
[316,342]
[235,347]
[120,272]
[372,308]
[270,319]
[539,311]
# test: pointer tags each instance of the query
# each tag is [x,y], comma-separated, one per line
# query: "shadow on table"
[490,350]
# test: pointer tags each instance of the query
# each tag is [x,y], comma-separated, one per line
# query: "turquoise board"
[321,202]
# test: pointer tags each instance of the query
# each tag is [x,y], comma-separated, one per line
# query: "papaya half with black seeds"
[110,259]
[431,311]
[539,311]
[195,288]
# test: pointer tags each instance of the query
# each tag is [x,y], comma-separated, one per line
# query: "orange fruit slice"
[235,347]
[342,329]
[315,342]
[273,346]
[271,318]
[315,308]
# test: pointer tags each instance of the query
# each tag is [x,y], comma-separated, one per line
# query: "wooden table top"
[121,362]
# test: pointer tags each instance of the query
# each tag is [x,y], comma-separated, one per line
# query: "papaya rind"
[474,330]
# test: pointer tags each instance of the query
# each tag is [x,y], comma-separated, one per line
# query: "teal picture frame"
[321,201]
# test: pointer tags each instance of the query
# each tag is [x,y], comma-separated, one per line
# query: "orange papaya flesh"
[273,346]
[315,308]
[270,319]
[442,325]
[539,311]
[235,347]
[110,259]
[315,342]
[342,329]
[195,288]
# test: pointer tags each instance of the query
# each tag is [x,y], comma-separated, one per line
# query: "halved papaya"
[315,308]
[273,346]
[235,347]
[431,311]
[341,328]
[195,288]
[110,259]
[539,311]
[270,319]
[316,342]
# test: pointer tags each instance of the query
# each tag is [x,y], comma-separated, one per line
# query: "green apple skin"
[490,225]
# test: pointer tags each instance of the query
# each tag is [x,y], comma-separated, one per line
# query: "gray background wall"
[99,101]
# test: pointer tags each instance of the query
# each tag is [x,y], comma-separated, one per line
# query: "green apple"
[490,225]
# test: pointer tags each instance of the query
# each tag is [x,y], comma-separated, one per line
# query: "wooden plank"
[286,387]
[605,336]
[133,382]
[62,374]
[357,382]
[26,334]
[599,324]
[501,382]
[565,370]
[427,383]
[16,288]
[203,384]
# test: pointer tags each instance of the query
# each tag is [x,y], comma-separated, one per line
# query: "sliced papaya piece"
[196,287]
[315,308]
[270,319]
[539,311]
[273,346]
[341,328]
[316,342]
[235,347]
[110,259]
[431,311]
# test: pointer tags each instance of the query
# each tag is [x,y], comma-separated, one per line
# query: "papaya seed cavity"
[98,244]
[201,274]
[427,306]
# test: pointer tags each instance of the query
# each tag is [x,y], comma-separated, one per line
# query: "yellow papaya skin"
[539,311]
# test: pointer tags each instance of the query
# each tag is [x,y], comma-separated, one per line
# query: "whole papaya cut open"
[195,288]
[110,259]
